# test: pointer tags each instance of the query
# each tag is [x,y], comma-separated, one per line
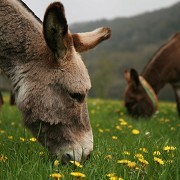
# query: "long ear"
[55,28]
[88,40]
[127,75]
[134,77]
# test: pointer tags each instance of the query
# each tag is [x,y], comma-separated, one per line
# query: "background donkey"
[49,78]
[163,68]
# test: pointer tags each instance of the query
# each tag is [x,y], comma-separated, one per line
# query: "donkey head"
[53,87]
[140,99]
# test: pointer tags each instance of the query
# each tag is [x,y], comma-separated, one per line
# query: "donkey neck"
[156,70]
[152,76]
[160,69]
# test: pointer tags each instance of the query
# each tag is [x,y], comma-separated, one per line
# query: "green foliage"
[134,41]
[117,137]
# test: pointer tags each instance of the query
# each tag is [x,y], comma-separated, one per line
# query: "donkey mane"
[29,10]
[159,50]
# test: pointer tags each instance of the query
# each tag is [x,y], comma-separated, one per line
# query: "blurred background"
[139,29]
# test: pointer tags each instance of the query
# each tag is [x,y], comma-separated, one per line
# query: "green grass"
[113,141]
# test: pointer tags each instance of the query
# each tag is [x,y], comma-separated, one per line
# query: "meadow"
[124,148]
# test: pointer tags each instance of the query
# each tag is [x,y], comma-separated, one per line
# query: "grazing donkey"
[50,80]
[164,67]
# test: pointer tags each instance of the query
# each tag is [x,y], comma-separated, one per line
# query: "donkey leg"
[1,100]
[177,96]
[12,98]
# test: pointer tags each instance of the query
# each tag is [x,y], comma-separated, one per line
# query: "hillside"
[134,41]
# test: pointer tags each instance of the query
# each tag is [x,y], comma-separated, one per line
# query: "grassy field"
[124,148]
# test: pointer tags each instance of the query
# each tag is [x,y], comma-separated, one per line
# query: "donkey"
[49,78]
[164,67]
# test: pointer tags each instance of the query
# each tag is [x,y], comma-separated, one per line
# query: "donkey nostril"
[77,96]
[66,158]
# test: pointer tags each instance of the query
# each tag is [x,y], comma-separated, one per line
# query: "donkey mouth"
[80,151]
[67,158]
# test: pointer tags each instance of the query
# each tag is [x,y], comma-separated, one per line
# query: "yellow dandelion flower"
[10,137]
[169,148]
[108,157]
[121,120]
[138,155]
[135,131]
[56,176]
[121,113]
[126,153]
[115,178]
[41,153]
[120,178]
[107,130]
[2,131]
[111,175]
[100,130]
[172,128]
[118,127]
[33,139]
[172,155]
[147,133]
[143,149]
[78,174]
[169,161]
[76,164]
[56,163]
[162,121]
[114,137]
[156,153]
[166,120]
[130,126]
[143,161]
[12,123]
[22,139]
[3,158]
[93,111]
[131,165]
[159,161]
[123,161]
[123,123]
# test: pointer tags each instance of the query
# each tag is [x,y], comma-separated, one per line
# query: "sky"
[90,10]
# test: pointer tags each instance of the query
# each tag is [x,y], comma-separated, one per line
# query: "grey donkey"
[49,78]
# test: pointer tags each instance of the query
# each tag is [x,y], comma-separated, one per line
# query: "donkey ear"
[88,40]
[127,75]
[134,77]
[55,28]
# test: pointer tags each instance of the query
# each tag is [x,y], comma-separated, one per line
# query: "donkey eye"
[78,97]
